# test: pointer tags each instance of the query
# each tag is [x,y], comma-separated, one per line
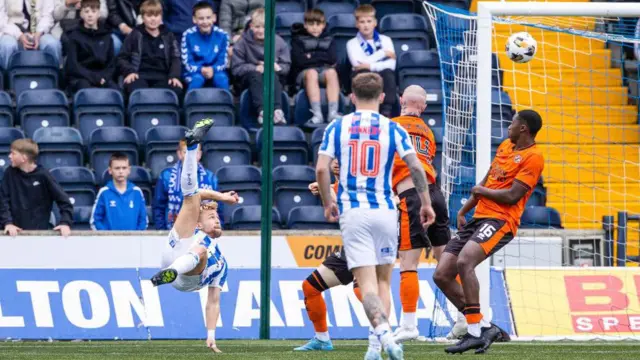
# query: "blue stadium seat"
[239,177]
[6,112]
[140,176]
[434,102]
[386,7]
[291,6]
[250,218]
[247,197]
[78,182]
[284,23]
[409,32]
[30,70]
[538,198]
[302,108]
[540,217]
[152,107]
[290,146]
[226,145]
[316,140]
[161,144]
[501,104]
[249,116]
[333,7]
[1,174]
[7,136]
[59,146]
[94,108]
[1,79]
[42,108]
[106,140]
[343,28]
[209,103]
[309,218]
[420,67]
[433,119]
[292,187]
[82,217]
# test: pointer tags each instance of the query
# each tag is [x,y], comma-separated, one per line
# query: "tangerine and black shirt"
[425,144]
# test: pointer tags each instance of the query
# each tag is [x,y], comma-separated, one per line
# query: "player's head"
[151,11]
[182,150]
[366,20]
[257,24]
[335,167]
[209,221]
[119,167]
[525,123]
[413,100]
[203,16]
[23,151]
[367,89]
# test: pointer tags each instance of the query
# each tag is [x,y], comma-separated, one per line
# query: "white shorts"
[370,236]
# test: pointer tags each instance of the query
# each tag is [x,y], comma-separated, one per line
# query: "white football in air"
[521,47]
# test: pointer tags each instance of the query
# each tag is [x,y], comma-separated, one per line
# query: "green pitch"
[282,350]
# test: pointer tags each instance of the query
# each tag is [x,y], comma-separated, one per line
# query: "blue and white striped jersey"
[365,143]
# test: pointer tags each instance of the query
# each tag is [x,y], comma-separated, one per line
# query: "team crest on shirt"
[517,159]
[112,203]
[196,48]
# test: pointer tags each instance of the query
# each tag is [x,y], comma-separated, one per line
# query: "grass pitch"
[282,350]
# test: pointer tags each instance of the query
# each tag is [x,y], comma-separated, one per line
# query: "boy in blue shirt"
[120,204]
[204,50]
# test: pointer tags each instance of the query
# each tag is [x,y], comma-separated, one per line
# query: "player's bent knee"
[308,289]
[440,278]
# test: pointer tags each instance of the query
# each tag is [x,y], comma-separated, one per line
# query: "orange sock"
[316,307]
[472,313]
[409,291]
[459,279]
[356,290]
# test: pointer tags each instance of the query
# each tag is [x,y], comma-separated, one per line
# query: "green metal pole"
[267,160]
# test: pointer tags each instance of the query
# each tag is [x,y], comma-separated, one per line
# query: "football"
[521,47]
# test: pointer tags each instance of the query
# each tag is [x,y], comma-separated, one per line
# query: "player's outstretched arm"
[421,185]
[228,197]
[212,313]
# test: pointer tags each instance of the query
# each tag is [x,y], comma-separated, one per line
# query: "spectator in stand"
[66,14]
[204,51]
[168,196]
[25,25]
[313,61]
[91,61]
[371,51]
[123,18]
[178,15]
[247,65]
[234,16]
[150,57]
[28,191]
[120,204]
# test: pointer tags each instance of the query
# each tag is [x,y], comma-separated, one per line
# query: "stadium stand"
[78,182]
[302,108]
[248,115]
[540,217]
[6,111]
[316,140]
[334,7]
[105,141]
[209,102]
[409,32]
[309,217]
[386,7]
[250,218]
[419,67]
[42,109]
[7,136]
[290,146]
[141,177]
[283,23]
[291,6]
[226,145]
[29,70]
[94,108]
[161,144]
[152,107]
[291,184]
[59,146]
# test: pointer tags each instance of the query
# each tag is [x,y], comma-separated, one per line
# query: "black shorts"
[411,234]
[337,262]
[491,234]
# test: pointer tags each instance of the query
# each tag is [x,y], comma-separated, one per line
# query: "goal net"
[583,81]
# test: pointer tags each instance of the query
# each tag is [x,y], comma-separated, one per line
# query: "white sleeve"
[6,27]
[357,56]
[387,44]
[45,22]
[327,147]
[401,139]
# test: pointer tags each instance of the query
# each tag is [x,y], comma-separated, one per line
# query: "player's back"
[425,145]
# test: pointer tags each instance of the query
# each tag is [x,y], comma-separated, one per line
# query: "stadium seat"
[458,4]
[434,102]
[226,145]
[540,217]
[250,218]
[538,198]
[239,177]
[59,146]
[420,67]
[433,120]
[105,141]
[284,23]
[78,182]
[409,32]
[316,140]
[161,144]
[248,115]
[291,6]
[1,79]
[30,70]
[246,197]
[290,146]
[140,176]
[386,7]
[501,104]
[82,217]
[6,112]
[152,107]
[343,28]
[42,109]
[7,136]
[94,108]
[209,103]
[1,174]
[291,184]
[333,7]
[309,218]
[302,108]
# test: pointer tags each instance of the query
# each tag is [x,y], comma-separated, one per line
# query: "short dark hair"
[314,16]
[532,119]
[118,156]
[367,86]
[93,4]
[202,5]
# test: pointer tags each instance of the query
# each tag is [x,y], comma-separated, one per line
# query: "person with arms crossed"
[364,143]
[191,259]
[499,201]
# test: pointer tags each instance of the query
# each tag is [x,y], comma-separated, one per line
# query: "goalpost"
[583,81]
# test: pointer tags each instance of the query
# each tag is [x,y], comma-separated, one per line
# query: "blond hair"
[151,8]
[26,147]
[257,16]
[209,205]
[364,10]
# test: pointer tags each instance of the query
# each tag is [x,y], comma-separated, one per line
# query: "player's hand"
[12,230]
[65,230]
[331,212]
[211,344]
[230,197]
[314,188]
[131,78]
[427,215]
[462,221]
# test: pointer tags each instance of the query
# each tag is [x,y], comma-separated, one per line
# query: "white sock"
[461,317]
[374,342]
[323,336]
[189,174]
[408,320]
[185,263]
[484,323]
[474,329]
[383,332]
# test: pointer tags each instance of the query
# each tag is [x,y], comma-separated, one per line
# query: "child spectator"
[28,191]
[168,195]
[204,50]
[26,25]
[120,204]
[234,15]
[247,65]
[150,56]
[123,17]
[91,61]
[313,61]
[371,51]
[66,14]
[178,15]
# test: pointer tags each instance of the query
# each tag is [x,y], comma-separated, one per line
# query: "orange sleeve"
[335,186]
[531,170]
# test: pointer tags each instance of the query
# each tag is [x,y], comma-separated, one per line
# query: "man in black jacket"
[91,61]
[28,191]
[123,17]
[313,61]
[150,56]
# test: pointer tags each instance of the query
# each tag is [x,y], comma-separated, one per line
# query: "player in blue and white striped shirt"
[365,143]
